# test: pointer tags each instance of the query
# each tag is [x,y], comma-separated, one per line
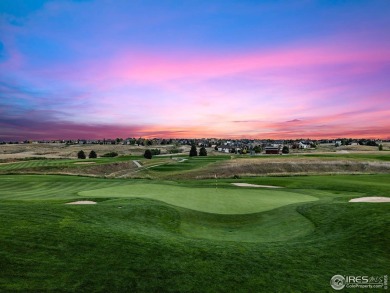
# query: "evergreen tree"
[285,150]
[193,151]
[203,151]
[92,155]
[81,155]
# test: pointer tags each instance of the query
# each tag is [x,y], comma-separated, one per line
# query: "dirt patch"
[8,163]
[255,185]
[82,202]
[371,199]
[84,163]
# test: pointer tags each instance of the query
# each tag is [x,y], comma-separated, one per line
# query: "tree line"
[92,155]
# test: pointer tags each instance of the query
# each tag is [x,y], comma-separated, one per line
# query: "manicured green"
[210,200]
[170,244]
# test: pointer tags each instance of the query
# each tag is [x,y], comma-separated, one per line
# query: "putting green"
[219,201]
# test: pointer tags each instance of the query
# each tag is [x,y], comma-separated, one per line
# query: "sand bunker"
[371,199]
[83,202]
[84,163]
[255,185]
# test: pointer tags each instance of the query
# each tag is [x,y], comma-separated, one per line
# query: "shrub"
[148,154]
[257,149]
[110,155]
[371,143]
[174,150]
[380,147]
[81,155]
[92,155]
[155,152]
[285,150]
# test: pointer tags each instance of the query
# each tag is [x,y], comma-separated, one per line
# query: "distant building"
[304,145]
[273,150]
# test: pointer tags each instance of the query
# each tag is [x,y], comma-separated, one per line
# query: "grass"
[185,167]
[353,156]
[279,224]
[371,185]
[175,244]
[59,163]
[208,200]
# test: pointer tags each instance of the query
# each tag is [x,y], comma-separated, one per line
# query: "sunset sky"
[231,69]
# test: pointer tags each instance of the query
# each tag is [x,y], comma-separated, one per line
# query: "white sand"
[83,202]
[255,185]
[371,199]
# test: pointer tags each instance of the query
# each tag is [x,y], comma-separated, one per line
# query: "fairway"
[209,200]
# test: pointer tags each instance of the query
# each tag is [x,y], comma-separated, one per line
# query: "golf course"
[159,232]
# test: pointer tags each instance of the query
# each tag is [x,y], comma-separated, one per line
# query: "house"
[275,150]
[303,145]
[224,148]
[229,149]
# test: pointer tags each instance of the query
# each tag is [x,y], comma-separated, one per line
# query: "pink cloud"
[195,93]
[150,68]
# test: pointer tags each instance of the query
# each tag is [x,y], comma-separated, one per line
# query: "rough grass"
[54,150]
[224,166]
[296,166]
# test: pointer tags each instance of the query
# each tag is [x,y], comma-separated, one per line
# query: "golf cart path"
[137,164]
